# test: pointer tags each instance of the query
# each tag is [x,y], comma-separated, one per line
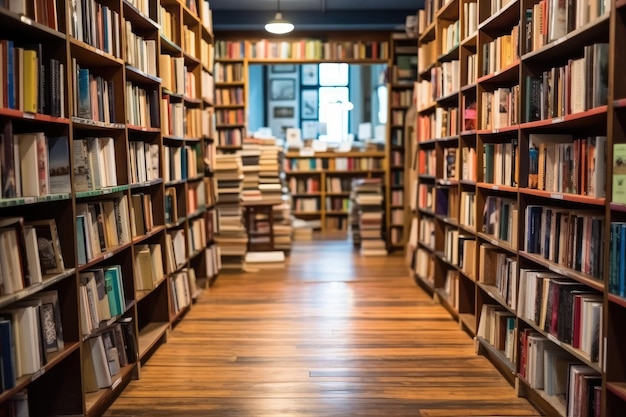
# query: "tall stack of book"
[250,155]
[270,182]
[367,216]
[230,232]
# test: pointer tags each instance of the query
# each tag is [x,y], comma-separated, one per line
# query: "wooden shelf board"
[497,242]
[143,129]
[492,292]
[169,45]
[141,294]
[453,96]
[470,40]
[503,362]
[507,16]
[95,400]
[91,56]
[47,281]
[471,183]
[88,124]
[145,184]
[575,198]
[440,296]
[428,108]
[14,21]
[617,388]
[447,220]
[336,213]
[425,73]
[559,408]
[38,117]
[451,55]
[585,279]
[149,336]
[425,246]
[616,299]
[104,256]
[426,177]
[509,73]
[619,103]
[447,182]
[500,130]
[583,119]
[468,132]
[135,74]
[428,33]
[427,143]
[449,11]
[569,45]
[496,187]
[424,282]
[21,201]
[467,87]
[469,321]
[156,230]
[139,19]
[467,229]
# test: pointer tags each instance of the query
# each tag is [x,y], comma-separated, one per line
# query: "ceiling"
[314,15]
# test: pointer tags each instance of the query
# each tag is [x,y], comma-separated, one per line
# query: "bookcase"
[402,75]
[230,102]
[320,184]
[106,203]
[518,194]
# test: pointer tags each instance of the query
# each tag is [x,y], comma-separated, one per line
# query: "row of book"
[568,239]
[144,161]
[401,98]
[172,117]
[366,211]
[181,162]
[33,165]
[31,330]
[445,79]
[559,163]
[499,270]
[580,85]
[302,49]
[107,353]
[140,53]
[499,108]
[97,25]
[450,36]
[168,22]
[94,163]
[142,106]
[31,82]
[497,327]
[500,219]
[101,297]
[338,164]
[460,250]
[228,72]
[440,124]
[101,226]
[173,71]
[94,96]
[501,52]
[565,309]
[188,41]
[229,96]
[231,137]
[304,185]
[501,163]
[230,117]
[563,380]
[550,20]
[44,11]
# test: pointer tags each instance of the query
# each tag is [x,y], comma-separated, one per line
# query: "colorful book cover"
[59,165]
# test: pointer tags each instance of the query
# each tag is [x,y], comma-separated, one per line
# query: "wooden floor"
[332,334]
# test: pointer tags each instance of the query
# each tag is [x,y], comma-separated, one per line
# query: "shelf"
[496,187]
[593,117]
[137,75]
[48,280]
[426,177]
[617,388]
[505,18]
[506,75]
[620,103]
[492,291]
[470,183]
[448,220]
[426,212]
[104,256]
[37,117]
[139,20]
[467,87]
[444,299]
[154,231]
[96,400]
[506,130]
[572,43]
[145,184]
[467,229]
[336,213]
[22,201]
[554,402]
[575,198]
[470,40]
[424,282]
[429,108]
[173,183]
[469,322]
[88,124]
[143,129]
[448,11]
[428,34]
[225,84]
[336,194]
[451,97]
[88,55]
[172,94]
[169,46]
[502,361]
[616,299]
[502,244]
[141,294]
[229,106]
[585,279]
[447,183]
[102,191]
[178,223]
[451,55]
[468,132]
[15,22]
[425,73]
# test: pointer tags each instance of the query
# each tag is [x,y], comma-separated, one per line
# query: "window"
[334,101]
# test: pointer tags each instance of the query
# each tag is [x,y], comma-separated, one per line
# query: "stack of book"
[282,225]
[230,232]
[367,216]
[270,178]
[250,154]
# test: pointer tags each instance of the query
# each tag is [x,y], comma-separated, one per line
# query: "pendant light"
[278,25]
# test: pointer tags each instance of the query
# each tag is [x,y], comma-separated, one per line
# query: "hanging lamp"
[278,25]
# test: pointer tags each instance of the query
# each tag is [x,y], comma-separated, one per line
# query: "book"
[619,173]
[59,165]
[49,246]
[52,326]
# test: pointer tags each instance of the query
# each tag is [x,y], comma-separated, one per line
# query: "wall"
[256,97]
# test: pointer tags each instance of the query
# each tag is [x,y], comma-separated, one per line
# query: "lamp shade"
[278,25]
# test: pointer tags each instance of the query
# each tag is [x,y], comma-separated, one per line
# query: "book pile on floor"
[250,154]
[230,231]
[366,201]
[282,225]
[270,181]
[265,260]
[303,229]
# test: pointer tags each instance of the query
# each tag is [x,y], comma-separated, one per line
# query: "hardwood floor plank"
[345,336]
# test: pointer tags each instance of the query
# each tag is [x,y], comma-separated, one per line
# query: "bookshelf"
[320,185]
[403,73]
[99,178]
[504,216]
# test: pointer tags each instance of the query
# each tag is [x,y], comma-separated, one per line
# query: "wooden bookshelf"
[109,154]
[484,181]
[320,184]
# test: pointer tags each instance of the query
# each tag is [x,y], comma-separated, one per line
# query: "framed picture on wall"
[309,74]
[283,112]
[282,89]
[309,104]
[283,69]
